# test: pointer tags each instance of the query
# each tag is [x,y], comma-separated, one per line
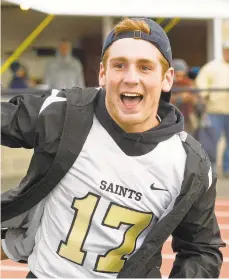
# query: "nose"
[131,76]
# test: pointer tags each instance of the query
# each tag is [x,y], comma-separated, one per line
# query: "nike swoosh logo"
[152,187]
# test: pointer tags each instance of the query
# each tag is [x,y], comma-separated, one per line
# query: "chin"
[130,119]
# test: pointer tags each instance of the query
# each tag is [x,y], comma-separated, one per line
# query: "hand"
[3,255]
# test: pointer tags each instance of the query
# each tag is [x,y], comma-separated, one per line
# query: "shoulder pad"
[80,96]
[191,144]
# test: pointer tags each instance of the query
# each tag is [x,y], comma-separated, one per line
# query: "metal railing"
[8,93]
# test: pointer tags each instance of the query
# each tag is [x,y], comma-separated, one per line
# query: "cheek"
[153,86]
[112,81]
[112,88]
[154,82]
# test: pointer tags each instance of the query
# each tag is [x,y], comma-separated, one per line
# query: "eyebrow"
[141,60]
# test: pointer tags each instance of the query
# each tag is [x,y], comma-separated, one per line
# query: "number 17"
[116,215]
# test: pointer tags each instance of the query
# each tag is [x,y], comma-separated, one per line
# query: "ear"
[102,77]
[167,82]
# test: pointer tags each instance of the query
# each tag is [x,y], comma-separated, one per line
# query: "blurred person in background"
[193,72]
[184,100]
[65,71]
[20,76]
[215,74]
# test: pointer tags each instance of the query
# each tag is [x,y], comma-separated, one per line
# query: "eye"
[119,65]
[145,68]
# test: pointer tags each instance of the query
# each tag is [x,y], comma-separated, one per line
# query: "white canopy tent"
[212,10]
[195,9]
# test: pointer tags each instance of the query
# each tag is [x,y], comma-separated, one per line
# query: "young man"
[113,174]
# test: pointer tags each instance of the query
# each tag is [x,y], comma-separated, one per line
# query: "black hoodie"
[137,144]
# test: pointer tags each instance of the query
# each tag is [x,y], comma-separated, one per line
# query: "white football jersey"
[101,211]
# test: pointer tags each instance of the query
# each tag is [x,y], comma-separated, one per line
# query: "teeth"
[131,95]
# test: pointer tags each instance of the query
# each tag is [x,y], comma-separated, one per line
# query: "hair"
[127,25]
[64,40]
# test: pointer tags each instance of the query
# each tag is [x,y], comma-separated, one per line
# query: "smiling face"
[133,81]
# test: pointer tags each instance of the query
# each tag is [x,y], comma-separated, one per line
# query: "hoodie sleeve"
[20,236]
[18,120]
[197,240]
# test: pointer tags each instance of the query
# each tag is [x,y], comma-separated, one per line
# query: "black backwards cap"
[157,37]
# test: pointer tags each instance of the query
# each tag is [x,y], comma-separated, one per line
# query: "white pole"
[226,30]
[218,38]
[214,39]
[107,25]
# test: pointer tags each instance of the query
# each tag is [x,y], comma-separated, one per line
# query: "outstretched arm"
[18,120]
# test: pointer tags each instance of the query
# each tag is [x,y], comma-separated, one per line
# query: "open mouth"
[131,99]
